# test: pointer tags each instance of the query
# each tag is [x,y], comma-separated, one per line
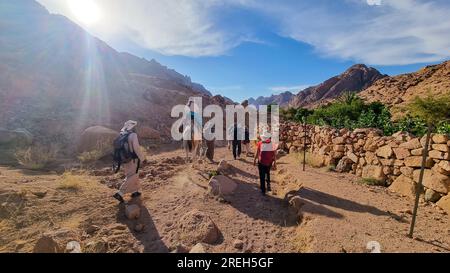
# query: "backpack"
[122,152]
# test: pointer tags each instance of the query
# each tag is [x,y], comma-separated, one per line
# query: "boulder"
[198,248]
[55,242]
[132,211]
[416,162]
[344,165]
[385,151]
[444,203]
[97,138]
[441,147]
[407,171]
[373,172]
[417,152]
[197,227]
[440,139]
[401,153]
[438,155]
[404,186]
[435,181]
[338,140]
[339,148]
[412,144]
[431,196]
[222,185]
[443,167]
[353,157]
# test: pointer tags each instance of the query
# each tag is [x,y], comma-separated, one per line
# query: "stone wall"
[394,160]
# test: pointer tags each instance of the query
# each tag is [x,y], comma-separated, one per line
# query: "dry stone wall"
[395,160]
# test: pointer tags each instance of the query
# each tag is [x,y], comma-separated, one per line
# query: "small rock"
[73,247]
[92,229]
[132,212]
[39,194]
[198,248]
[432,196]
[238,244]
[181,249]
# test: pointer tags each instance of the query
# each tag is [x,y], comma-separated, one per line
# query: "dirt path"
[339,214]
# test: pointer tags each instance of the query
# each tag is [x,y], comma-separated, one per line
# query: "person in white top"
[132,183]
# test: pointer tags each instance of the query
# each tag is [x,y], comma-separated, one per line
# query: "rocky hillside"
[56,79]
[401,89]
[356,78]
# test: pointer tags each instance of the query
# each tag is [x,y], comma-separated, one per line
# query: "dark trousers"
[264,175]
[237,148]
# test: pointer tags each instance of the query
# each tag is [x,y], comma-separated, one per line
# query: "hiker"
[129,144]
[192,141]
[237,141]
[246,141]
[266,158]
[210,144]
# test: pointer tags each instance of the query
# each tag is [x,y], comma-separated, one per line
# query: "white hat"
[129,125]
[266,136]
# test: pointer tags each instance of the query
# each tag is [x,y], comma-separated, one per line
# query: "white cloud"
[374,2]
[398,32]
[295,88]
[171,27]
[376,32]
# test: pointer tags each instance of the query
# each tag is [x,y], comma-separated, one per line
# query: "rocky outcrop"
[400,90]
[394,160]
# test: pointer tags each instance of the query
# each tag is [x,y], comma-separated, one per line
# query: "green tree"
[432,111]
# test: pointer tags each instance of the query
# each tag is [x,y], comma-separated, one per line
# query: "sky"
[251,48]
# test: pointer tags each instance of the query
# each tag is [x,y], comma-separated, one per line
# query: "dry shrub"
[72,182]
[36,157]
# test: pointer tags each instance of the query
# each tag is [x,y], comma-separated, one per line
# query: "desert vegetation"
[351,112]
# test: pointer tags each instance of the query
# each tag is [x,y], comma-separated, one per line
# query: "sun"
[85,11]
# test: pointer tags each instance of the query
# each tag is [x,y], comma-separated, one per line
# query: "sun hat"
[266,136]
[129,125]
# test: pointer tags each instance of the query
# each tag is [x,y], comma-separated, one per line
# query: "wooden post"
[419,185]
[304,146]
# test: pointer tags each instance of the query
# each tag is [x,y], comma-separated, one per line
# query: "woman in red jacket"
[266,157]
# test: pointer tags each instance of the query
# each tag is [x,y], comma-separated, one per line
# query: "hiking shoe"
[119,198]
[136,194]
[269,189]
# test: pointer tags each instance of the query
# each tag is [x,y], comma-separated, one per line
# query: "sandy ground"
[339,214]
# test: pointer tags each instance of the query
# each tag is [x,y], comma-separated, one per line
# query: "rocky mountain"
[56,79]
[282,99]
[356,78]
[398,90]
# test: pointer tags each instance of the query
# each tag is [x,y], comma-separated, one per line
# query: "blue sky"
[250,48]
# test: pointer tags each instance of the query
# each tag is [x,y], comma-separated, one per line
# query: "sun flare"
[85,11]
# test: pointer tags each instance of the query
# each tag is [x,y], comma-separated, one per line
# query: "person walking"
[246,141]
[237,141]
[266,159]
[131,184]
